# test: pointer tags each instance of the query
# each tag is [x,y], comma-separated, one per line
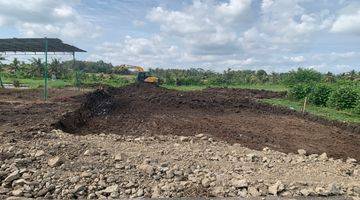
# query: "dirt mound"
[233,115]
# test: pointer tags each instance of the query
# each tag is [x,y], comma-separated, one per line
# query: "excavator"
[143,76]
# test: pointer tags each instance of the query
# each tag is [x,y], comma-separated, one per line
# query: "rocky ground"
[62,166]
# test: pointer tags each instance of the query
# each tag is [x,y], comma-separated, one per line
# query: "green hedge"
[340,97]
[344,97]
[300,91]
[320,94]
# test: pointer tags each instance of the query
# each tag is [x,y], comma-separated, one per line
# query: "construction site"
[147,141]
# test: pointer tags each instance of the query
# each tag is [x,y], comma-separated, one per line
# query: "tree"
[36,68]
[14,66]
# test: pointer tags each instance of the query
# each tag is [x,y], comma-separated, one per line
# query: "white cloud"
[51,18]
[347,23]
[297,59]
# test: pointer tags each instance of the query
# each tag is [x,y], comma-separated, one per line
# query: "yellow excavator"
[143,76]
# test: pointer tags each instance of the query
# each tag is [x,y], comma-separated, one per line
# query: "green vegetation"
[329,113]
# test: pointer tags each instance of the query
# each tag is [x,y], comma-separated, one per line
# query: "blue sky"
[275,35]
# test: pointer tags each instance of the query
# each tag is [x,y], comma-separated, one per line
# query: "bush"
[344,97]
[320,94]
[302,76]
[300,91]
[356,110]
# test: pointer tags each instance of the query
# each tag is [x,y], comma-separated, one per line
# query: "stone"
[19,182]
[205,182]
[79,188]
[276,188]
[301,152]
[17,192]
[184,139]
[306,192]
[156,192]
[120,157]
[74,179]
[239,183]
[140,192]
[111,189]
[323,157]
[242,192]
[146,168]
[55,161]
[91,152]
[350,161]
[4,190]
[13,176]
[199,135]
[39,153]
[333,189]
[253,191]
[86,174]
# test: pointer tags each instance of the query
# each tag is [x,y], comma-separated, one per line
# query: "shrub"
[302,76]
[344,97]
[320,94]
[299,91]
[356,110]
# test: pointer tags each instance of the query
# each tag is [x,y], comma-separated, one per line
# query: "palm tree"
[36,69]
[14,66]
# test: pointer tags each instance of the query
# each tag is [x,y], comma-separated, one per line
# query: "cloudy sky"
[275,35]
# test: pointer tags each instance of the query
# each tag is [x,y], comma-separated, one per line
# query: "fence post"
[46,70]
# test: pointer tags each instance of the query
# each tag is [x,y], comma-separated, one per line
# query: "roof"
[35,45]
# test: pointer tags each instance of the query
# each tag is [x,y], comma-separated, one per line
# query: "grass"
[254,86]
[36,83]
[329,113]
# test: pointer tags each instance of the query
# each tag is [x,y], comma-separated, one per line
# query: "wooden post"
[304,107]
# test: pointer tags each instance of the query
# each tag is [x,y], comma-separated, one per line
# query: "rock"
[199,135]
[79,188]
[17,192]
[91,152]
[321,191]
[276,188]
[254,192]
[4,190]
[218,191]
[120,157]
[55,161]
[111,189]
[323,157]
[242,192]
[86,174]
[13,176]
[39,153]
[20,182]
[74,179]
[239,183]
[140,193]
[350,161]
[205,182]
[156,192]
[306,192]
[146,168]
[301,152]
[184,139]
[333,189]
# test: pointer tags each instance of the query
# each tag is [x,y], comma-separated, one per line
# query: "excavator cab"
[144,77]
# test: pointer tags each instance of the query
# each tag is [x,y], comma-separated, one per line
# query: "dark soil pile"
[233,115]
